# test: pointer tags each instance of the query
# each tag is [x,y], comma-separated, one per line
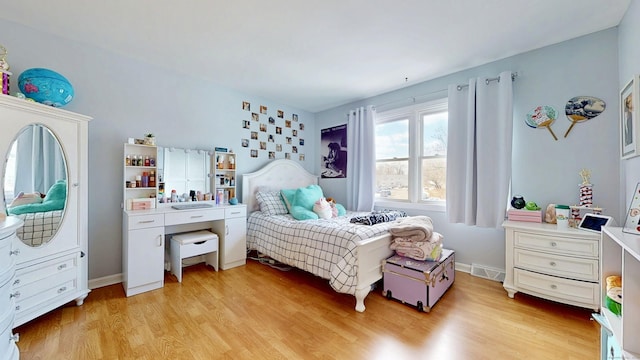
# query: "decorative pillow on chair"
[271,204]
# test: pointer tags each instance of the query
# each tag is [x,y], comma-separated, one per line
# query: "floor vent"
[487,272]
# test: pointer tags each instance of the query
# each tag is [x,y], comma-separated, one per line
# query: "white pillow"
[271,203]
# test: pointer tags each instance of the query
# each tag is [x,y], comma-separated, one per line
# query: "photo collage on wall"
[271,135]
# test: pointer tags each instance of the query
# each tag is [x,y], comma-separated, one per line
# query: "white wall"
[629,53]
[128,98]
[544,170]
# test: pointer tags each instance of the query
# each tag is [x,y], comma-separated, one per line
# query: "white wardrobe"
[52,262]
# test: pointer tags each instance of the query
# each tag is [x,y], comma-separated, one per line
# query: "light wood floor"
[257,312]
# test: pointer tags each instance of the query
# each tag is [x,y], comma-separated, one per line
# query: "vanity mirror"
[183,170]
[35,183]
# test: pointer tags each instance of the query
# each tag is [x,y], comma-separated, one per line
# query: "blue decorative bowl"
[46,86]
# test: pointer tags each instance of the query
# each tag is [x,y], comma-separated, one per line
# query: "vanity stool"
[193,244]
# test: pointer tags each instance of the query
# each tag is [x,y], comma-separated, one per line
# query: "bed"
[39,227]
[348,255]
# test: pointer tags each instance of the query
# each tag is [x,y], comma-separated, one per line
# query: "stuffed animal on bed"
[322,208]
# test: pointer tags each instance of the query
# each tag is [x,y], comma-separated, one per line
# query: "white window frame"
[414,114]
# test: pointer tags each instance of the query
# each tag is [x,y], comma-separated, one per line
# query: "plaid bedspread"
[39,227]
[323,247]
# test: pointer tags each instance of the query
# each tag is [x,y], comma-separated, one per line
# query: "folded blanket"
[413,228]
[419,250]
[377,217]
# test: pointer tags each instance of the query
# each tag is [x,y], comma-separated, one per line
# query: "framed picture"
[334,155]
[629,117]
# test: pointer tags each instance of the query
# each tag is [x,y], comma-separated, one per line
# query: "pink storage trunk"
[418,283]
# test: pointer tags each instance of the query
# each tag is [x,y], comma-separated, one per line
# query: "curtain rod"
[514,75]
[487,81]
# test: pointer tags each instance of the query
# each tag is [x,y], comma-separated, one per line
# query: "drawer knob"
[14,252]
[554,286]
[62,266]
[554,244]
[15,295]
[553,263]
[16,282]
[62,289]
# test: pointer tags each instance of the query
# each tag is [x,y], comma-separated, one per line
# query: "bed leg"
[360,295]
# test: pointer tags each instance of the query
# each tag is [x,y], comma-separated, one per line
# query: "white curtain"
[39,160]
[361,159]
[479,151]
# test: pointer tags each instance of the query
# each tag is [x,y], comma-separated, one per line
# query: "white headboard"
[276,175]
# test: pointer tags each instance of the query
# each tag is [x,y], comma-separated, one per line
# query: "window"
[411,154]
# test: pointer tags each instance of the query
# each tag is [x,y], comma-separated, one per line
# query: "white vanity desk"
[145,231]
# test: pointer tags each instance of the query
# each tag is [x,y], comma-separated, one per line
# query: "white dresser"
[558,265]
[8,227]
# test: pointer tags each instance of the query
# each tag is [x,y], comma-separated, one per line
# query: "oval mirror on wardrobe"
[35,183]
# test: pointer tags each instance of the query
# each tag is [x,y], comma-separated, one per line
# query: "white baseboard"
[463,267]
[105,281]
[117,278]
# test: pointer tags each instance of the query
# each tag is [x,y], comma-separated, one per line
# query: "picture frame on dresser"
[629,117]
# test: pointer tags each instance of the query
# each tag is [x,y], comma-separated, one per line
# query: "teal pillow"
[57,191]
[287,197]
[307,196]
[54,200]
[341,210]
[300,213]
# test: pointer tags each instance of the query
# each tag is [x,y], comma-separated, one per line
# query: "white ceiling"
[316,55]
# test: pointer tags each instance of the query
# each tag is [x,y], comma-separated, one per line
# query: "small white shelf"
[621,256]
[224,165]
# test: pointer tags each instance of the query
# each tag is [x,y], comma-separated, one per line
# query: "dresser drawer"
[145,221]
[45,281]
[48,269]
[6,254]
[234,212]
[56,289]
[565,266]
[6,288]
[557,244]
[179,217]
[571,291]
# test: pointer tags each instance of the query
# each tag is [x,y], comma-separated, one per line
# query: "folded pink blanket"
[413,228]
[419,250]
